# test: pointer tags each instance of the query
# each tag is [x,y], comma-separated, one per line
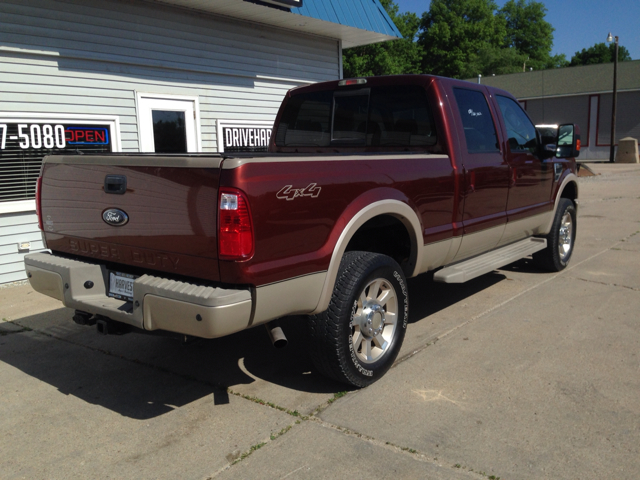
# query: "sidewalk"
[519,374]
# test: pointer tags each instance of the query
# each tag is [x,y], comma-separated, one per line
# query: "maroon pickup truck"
[367,182]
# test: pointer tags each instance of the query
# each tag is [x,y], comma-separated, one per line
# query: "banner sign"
[15,137]
[239,136]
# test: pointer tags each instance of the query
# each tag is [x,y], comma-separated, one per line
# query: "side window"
[400,116]
[521,134]
[479,130]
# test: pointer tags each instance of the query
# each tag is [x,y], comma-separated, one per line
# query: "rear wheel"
[357,339]
[561,239]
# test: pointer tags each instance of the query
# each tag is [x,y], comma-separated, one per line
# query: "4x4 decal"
[288,193]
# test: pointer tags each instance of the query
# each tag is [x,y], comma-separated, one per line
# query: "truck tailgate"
[169,206]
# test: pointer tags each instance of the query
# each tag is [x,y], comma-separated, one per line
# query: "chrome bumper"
[158,303]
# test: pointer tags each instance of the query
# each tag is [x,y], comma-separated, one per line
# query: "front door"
[167,125]
[531,176]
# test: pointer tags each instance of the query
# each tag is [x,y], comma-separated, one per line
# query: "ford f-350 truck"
[367,182]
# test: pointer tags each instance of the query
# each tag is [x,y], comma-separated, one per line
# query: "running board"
[468,269]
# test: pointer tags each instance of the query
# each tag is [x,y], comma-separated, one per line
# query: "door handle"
[115,184]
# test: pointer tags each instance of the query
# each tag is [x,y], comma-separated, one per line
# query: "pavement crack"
[242,456]
[259,401]
[412,452]
[606,284]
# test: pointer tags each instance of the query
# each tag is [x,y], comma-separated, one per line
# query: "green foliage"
[600,53]
[528,32]
[387,58]
[454,33]
[464,38]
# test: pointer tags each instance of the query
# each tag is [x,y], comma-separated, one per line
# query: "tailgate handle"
[116,184]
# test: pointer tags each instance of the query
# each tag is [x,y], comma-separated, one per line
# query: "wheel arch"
[392,208]
[568,189]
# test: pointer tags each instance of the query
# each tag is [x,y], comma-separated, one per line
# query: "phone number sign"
[36,136]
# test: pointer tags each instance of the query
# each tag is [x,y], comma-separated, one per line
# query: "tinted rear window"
[379,116]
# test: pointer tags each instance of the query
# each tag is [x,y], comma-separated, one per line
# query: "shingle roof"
[568,81]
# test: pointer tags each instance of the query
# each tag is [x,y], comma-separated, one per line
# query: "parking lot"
[519,374]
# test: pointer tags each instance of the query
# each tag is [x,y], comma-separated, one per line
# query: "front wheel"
[561,239]
[357,339]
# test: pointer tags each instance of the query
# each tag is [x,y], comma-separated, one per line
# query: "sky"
[578,23]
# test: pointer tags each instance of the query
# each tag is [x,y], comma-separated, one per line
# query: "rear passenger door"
[486,173]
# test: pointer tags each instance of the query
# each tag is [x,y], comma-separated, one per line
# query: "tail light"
[235,228]
[39,203]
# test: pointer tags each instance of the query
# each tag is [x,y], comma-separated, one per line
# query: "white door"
[168,125]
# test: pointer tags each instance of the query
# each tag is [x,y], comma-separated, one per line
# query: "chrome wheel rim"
[373,324]
[565,237]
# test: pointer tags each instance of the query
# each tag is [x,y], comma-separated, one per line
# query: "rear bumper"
[158,303]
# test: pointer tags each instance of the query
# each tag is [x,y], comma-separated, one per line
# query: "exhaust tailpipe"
[276,334]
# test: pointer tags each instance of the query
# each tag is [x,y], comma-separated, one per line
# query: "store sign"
[38,136]
[87,135]
[237,136]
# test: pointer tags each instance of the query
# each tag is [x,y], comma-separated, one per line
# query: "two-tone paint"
[308,204]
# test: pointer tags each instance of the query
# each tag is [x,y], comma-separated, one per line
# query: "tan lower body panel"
[527,227]
[296,296]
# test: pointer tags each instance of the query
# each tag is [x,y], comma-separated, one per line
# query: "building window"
[26,140]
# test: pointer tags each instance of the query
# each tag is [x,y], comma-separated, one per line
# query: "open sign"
[87,136]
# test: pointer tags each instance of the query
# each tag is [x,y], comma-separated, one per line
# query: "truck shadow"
[143,376]
[428,297]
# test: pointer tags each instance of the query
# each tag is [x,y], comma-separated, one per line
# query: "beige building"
[580,95]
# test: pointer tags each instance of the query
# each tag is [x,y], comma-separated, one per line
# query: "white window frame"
[112,121]
[180,98]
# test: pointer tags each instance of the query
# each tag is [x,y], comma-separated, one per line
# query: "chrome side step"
[468,269]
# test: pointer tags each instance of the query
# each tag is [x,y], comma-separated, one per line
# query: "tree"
[456,33]
[600,53]
[395,57]
[529,33]
[499,61]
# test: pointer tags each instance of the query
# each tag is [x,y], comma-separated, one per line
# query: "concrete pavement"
[519,374]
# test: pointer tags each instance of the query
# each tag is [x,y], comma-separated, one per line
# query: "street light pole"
[612,150]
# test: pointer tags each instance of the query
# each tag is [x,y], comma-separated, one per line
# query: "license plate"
[121,285]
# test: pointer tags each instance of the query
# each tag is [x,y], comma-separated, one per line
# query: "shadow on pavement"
[427,297]
[144,376]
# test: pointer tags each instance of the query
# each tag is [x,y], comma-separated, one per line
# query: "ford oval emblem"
[115,217]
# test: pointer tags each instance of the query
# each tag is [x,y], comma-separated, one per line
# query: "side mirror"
[547,138]
[568,141]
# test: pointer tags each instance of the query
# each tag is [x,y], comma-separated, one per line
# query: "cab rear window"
[397,116]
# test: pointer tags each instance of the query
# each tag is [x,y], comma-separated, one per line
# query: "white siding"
[90,58]
[17,228]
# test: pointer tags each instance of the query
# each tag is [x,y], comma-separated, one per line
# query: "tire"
[561,239]
[357,339]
